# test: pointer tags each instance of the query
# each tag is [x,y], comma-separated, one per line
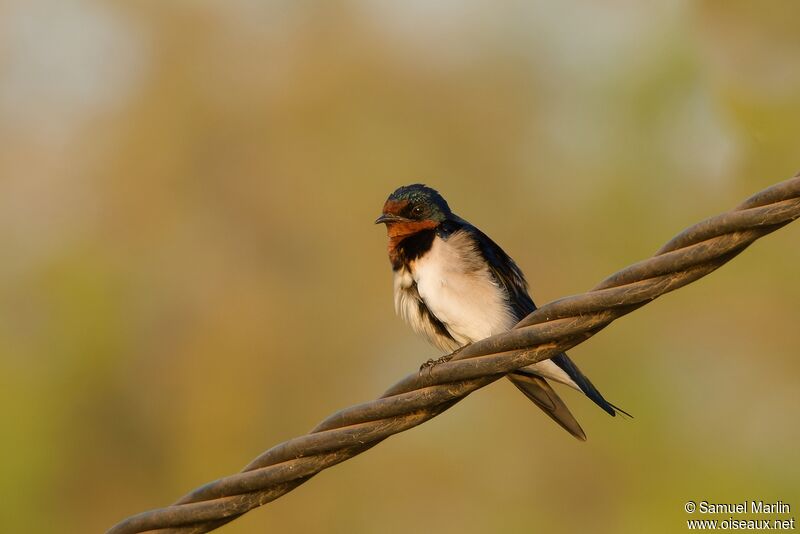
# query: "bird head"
[413,208]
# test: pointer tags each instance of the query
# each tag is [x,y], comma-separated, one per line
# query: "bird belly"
[460,291]
[451,300]
[411,308]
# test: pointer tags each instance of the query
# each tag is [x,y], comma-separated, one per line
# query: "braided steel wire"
[551,329]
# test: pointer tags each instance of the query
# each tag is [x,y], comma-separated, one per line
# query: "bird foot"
[430,364]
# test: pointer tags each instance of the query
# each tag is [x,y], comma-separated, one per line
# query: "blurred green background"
[190,273]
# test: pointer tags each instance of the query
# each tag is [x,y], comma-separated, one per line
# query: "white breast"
[409,305]
[454,283]
[457,287]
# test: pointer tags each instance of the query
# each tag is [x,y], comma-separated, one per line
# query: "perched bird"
[454,286]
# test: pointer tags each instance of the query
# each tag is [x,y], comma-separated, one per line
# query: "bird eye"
[416,210]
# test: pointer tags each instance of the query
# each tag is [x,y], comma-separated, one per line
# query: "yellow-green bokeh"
[190,273]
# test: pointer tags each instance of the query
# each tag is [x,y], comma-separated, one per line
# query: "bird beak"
[388,218]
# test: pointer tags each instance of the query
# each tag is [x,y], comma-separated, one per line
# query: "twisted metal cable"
[551,329]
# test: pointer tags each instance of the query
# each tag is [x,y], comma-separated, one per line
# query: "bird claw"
[431,363]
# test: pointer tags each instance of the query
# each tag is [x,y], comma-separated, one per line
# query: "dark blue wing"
[505,271]
[510,277]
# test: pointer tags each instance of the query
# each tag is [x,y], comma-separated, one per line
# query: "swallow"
[454,286]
